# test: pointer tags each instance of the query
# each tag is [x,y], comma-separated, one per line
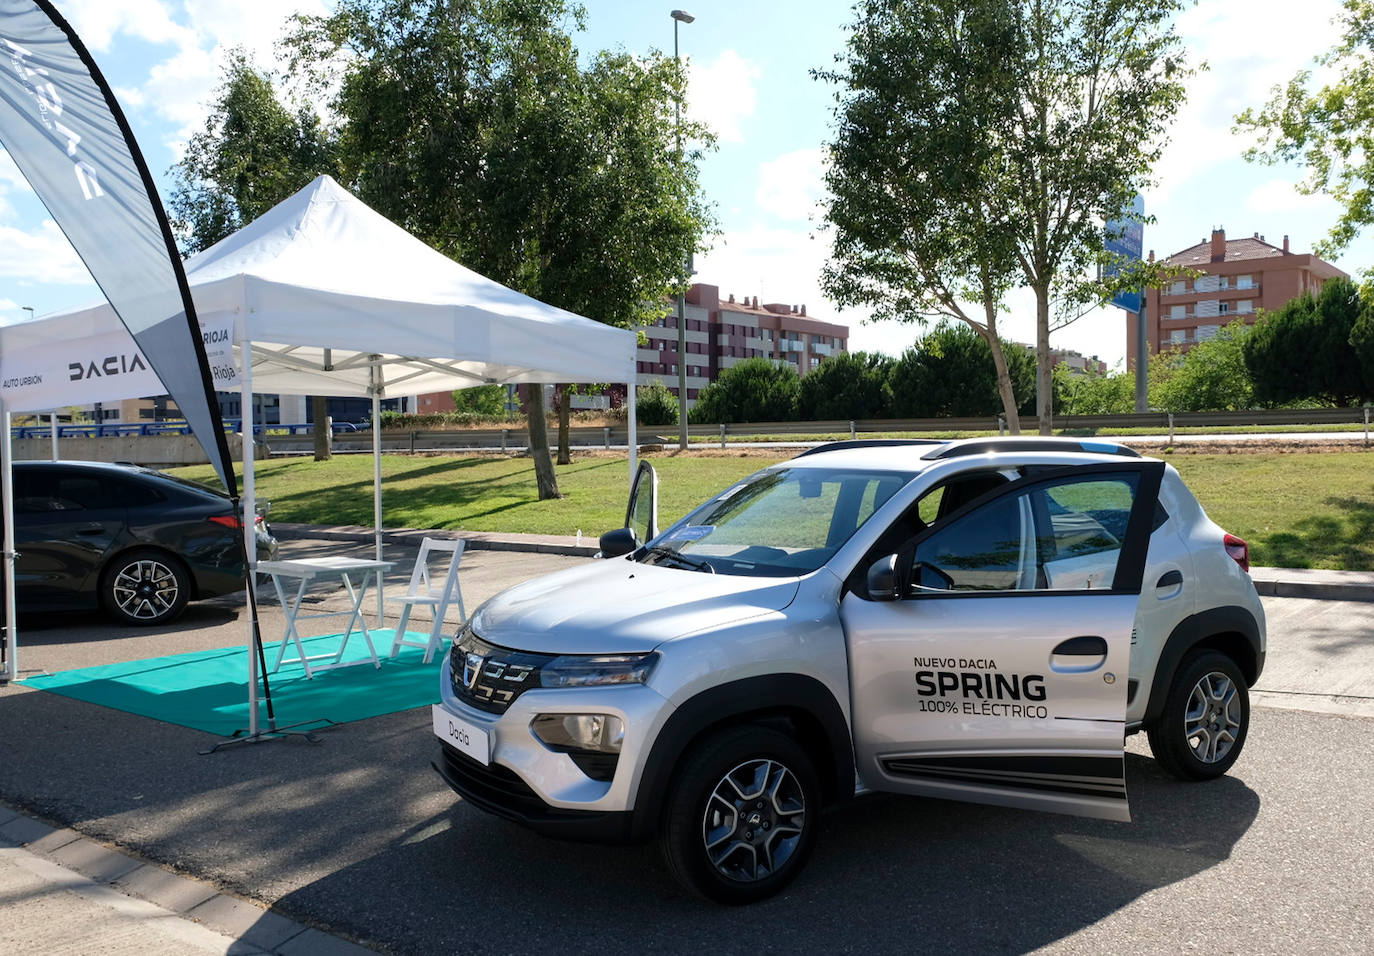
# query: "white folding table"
[306,570]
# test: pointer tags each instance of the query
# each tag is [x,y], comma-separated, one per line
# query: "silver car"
[980,620]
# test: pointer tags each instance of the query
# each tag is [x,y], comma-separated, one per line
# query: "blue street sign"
[1126,241]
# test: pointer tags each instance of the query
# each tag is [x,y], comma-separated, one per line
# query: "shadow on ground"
[357,834]
[1343,538]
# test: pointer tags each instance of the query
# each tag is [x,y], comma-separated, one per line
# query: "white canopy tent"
[328,297]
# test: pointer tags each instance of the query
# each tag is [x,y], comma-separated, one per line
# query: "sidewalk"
[66,893]
[1269,582]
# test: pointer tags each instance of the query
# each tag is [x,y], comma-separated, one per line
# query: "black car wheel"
[145,587]
[1206,715]
[742,815]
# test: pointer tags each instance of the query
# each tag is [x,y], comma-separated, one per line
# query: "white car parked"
[979,620]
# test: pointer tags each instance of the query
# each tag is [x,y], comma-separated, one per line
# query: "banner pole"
[53,420]
[375,374]
[246,452]
[11,649]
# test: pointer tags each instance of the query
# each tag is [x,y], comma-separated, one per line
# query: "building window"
[1223,308]
[1205,332]
[1245,282]
[1178,288]
[1178,312]
[1245,305]
[1178,336]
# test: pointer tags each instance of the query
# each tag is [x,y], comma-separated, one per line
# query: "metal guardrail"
[284,438]
[114,430]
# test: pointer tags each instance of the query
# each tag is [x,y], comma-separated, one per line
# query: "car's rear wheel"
[145,587]
[742,815]
[1206,716]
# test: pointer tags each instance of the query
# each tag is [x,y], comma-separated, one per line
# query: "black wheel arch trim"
[1193,631]
[768,695]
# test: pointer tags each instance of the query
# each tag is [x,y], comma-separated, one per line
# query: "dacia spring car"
[979,620]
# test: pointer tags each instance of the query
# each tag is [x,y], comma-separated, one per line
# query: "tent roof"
[323,271]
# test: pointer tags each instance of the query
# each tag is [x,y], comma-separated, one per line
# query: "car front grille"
[490,678]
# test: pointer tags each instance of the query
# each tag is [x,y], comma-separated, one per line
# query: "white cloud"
[42,256]
[1249,46]
[97,22]
[721,93]
[1280,196]
[790,185]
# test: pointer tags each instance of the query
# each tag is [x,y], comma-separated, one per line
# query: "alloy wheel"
[754,820]
[146,589]
[1211,722]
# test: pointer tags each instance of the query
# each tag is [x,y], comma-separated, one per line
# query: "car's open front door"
[998,674]
[641,516]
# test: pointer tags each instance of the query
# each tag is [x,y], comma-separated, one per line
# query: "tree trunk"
[1044,382]
[564,400]
[1004,389]
[319,406]
[539,444]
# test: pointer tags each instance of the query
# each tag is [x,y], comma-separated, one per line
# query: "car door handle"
[1078,655]
[1170,579]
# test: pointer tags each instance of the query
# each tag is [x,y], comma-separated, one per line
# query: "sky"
[750,66]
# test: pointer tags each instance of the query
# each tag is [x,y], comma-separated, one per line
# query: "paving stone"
[239,918]
[22,830]
[53,840]
[92,860]
[166,889]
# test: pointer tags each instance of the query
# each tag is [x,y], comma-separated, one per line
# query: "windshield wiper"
[697,563]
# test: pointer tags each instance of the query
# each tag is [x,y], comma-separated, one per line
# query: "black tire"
[145,587]
[757,854]
[1206,717]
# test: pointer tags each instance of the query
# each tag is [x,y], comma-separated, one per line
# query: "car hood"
[617,606]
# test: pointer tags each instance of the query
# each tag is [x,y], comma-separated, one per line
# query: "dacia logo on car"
[472,669]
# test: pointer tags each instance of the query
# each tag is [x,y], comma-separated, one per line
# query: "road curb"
[88,862]
[411,537]
[1318,585]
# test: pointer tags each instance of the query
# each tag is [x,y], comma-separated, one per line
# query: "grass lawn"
[1297,510]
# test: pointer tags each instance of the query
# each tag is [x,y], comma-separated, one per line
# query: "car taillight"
[1238,550]
[231,521]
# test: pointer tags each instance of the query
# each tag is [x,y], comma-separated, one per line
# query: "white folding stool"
[422,590]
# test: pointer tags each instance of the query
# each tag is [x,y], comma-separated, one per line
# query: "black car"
[137,542]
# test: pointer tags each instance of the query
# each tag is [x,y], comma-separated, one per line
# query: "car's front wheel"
[145,587]
[1206,716]
[742,815]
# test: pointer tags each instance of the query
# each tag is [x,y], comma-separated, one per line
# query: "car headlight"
[578,670]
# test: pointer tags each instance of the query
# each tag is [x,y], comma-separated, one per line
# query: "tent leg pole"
[249,512]
[53,421]
[633,434]
[11,668]
[377,486]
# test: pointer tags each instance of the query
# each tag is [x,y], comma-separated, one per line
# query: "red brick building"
[1240,277]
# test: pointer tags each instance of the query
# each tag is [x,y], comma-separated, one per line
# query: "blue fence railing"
[113,430]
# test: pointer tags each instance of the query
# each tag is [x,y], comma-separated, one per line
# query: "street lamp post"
[681,16]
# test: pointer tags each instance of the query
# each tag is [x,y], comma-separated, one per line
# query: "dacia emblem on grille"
[472,669]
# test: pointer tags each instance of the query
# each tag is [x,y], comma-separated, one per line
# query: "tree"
[917,208]
[488,401]
[1093,394]
[849,385]
[754,390]
[472,124]
[1210,377]
[1304,350]
[1014,130]
[950,374]
[1329,130]
[656,405]
[253,153]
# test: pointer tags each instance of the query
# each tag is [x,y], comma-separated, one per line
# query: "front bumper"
[544,789]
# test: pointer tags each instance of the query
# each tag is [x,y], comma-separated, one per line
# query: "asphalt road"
[358,835]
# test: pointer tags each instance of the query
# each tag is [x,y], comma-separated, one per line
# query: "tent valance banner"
[62,127]
[108,367]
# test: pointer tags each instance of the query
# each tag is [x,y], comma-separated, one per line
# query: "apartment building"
[1240,277]
[720,335]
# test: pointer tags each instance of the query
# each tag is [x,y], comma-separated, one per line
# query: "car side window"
[1061,536]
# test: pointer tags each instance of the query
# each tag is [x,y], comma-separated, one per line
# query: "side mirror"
[618,542]
[882,579]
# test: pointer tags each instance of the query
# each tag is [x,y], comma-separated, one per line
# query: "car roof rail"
[870,443]
[983,446]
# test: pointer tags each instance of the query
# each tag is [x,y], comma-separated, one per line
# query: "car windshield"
[783,522]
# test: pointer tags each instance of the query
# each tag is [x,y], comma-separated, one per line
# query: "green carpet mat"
[208,690]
